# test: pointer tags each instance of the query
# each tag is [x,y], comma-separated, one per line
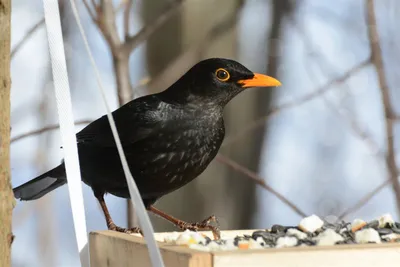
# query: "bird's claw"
[134,230]
[203,225]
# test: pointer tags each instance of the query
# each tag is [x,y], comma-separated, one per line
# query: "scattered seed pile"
[311,231]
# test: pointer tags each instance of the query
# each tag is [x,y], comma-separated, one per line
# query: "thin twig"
[376,54]
[29,34]
[358,130]
[133,41]
[260,181]
[323,65]
[107,25]
[95,5]
[121,6]
[365,199]
[45,129]
[295,103]
[370,195]
[127,13]
[352,122]
[92,14]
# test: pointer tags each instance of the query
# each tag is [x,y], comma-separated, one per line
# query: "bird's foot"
[203,225]
[134,230]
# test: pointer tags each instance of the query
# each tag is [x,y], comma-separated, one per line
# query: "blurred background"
[323,143]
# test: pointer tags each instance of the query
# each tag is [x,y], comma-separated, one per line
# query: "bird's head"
[216,81]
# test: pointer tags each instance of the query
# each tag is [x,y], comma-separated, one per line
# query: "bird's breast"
[175,157]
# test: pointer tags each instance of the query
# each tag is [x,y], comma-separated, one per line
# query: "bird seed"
[311,231]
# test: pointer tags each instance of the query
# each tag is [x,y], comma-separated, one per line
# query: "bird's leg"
[110,224]
[203,225]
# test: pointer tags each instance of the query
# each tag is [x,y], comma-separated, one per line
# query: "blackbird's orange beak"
[259,80]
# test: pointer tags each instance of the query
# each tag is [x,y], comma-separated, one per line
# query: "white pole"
[67,127]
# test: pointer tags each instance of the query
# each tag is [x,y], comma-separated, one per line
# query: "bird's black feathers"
[169,138]
[131,126]
[41,185]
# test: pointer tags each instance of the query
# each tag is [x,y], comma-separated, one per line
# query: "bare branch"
[363,135]
[352,122]
[323,65]
[260,181]
[92,14]
[45,129]
[141,83]
[365,199]
[124,87]
[120,51]
[133,41]
[121,6]
[95,5]
[106,23]
[295,103]
[358,130]
[29,34]
[127,13]
[376,55]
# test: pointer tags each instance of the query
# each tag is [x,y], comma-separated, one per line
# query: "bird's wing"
[135,121]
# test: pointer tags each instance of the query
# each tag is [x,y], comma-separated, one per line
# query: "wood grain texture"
[6,195]
[113,249]
[116,249]
[384,255]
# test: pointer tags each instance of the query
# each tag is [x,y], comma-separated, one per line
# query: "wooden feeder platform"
[113,249]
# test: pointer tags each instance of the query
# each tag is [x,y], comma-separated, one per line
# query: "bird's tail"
[41,185]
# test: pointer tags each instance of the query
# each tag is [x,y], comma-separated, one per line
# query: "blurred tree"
[166,43]
[280,9]
[6,195]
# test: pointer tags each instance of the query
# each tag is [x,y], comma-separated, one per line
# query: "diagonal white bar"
[145,223]
[67,127]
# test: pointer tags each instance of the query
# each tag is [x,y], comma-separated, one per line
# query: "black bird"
[169,139]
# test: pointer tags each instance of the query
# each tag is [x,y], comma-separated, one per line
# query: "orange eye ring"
[222,74]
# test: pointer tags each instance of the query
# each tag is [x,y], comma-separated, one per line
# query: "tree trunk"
[165,44]
[121,70]
[6,195]
[280,9]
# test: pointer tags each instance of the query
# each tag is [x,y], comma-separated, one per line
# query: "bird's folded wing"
[134,123]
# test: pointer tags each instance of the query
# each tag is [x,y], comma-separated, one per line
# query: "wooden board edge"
[140,240]
[367,257]
[109,248]
[314,249]
[161,235]
[185,250]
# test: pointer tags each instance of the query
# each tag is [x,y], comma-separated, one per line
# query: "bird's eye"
[222,74]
